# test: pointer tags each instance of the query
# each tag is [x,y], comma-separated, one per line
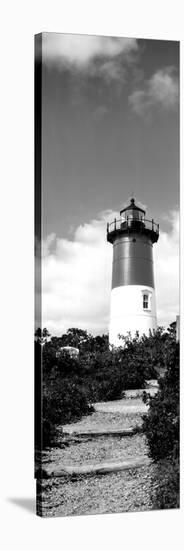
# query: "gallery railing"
[132,224]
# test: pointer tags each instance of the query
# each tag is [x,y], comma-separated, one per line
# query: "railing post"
[114,223]
[152,225]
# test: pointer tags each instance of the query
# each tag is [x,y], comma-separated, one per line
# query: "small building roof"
[72,348]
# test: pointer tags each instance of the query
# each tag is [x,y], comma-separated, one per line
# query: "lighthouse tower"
[133,306]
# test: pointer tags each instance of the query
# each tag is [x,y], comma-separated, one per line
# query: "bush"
[161,427]
[166,494]
[62,402]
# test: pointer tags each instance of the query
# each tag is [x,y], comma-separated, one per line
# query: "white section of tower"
[133,308]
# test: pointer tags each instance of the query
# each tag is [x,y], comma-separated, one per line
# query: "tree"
[172,330]
[41,335]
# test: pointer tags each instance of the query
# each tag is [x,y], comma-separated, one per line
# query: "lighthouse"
[133,305]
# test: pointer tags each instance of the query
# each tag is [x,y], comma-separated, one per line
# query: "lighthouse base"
[133,309]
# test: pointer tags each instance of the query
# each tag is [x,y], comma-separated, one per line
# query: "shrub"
[62,403]
[161,427]
[166,495]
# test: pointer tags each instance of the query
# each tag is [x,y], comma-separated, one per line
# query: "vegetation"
[161,427]
[71,385]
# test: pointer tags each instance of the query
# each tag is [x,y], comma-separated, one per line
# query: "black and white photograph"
[107,313]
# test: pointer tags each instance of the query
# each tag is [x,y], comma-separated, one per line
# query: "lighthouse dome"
[132,211]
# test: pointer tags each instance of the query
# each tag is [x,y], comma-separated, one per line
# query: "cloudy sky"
[110,130]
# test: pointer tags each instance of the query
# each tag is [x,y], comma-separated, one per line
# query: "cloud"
[76,277]
[166,258]
[107,58]
[79,50]
[160,91]
[111,71]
